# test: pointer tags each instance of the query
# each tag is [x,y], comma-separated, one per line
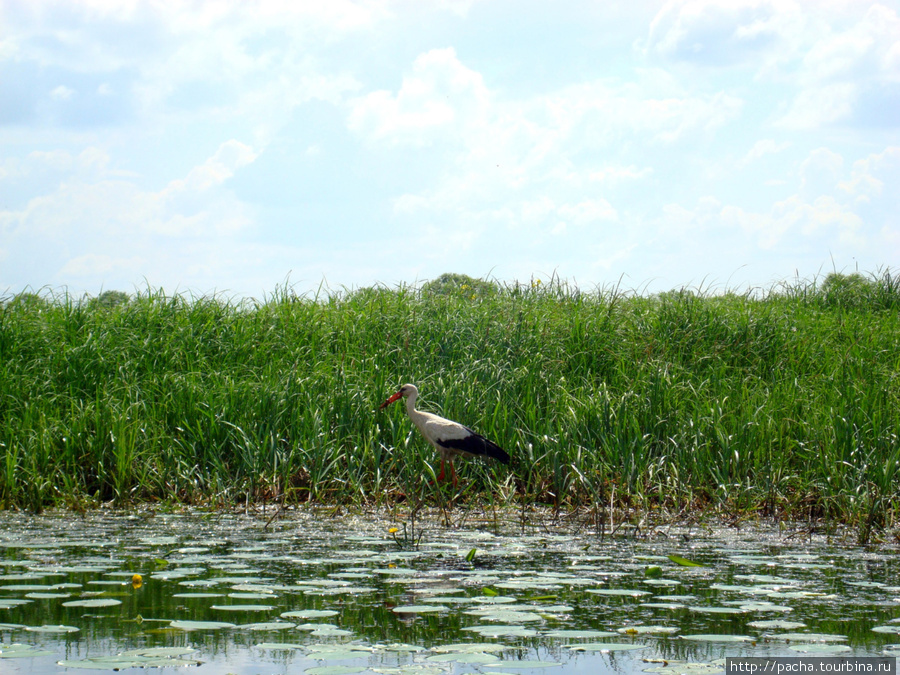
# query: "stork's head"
[405,391]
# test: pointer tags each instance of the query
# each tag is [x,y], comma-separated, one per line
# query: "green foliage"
[460,285]
[109,299]
[787,403]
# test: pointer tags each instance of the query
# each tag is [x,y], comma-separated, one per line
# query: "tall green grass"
[784,402]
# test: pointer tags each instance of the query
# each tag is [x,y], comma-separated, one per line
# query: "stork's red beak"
[391,400]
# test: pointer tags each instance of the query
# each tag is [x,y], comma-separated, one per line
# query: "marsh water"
[324,594]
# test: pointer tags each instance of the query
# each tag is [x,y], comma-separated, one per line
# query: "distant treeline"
[783,402]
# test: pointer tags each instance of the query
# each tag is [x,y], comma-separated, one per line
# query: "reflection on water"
[324,595]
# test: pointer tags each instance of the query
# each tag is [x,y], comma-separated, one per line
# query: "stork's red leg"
[440,476]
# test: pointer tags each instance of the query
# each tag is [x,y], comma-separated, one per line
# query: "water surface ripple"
[321,594]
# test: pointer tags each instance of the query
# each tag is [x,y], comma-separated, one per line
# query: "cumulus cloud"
[869,175]
[140,135]
[230,156]
[438,97]
[820,172]
[839,64]
[110,225]
[815,107]
[761,148]
[498,150]
[848,72]
[795,222]
[720,33]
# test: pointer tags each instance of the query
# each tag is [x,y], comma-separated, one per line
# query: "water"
[316,593]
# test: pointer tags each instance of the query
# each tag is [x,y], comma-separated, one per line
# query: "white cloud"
[89,265]
[862,49]
[62,93]
[838,61]
[358,119]
[509,165]
[869,175]
[720,33]
[847,71]
[793,222]
[231,156]
[57,160]
[820,172]
[439,96]
[815,107]
[761,148]
[110,215]
[587,212]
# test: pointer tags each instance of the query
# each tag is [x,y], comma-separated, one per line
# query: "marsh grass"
[782,403]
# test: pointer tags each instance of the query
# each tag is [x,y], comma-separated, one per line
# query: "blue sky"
[236,146]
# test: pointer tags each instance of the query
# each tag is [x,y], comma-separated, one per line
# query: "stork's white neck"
[411,404]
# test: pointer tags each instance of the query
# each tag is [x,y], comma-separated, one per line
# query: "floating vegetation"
[20,651]
[777,625]
[606,647]
[718,638]
[158,657]
[649,630]
[94,602]
[524,602]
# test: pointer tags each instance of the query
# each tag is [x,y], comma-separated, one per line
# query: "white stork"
[448,438]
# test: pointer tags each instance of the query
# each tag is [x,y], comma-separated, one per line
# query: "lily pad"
[419,609]
[502,631]
[605,647]
[333,670]
[402,648]
[819,648]
[337,654]
[157,652]
[579,634]
[470,648]
[52,629]
[463,657]
[331,632]
[718,610]
[780,625]
[718,638]
[629,592]
[17,651]
[648,630]
[133,659]
[267,625]
[505,615]
[662,583]
[684,562]
[810,637]
[200,625]
[93,602]
[764,607]
[309,614]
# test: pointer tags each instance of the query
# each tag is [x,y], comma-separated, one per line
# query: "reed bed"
[783,402]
